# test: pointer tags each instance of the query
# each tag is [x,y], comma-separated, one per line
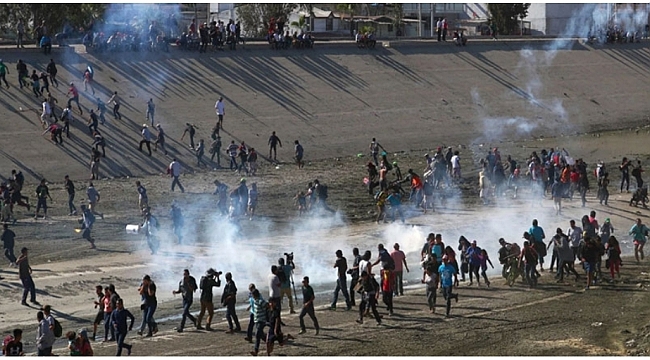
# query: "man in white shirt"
[575,235]
[146,138]
[455,165]
[115,99]
[439,29]
[47,113]
[174,171]
[275,288]
[221,111]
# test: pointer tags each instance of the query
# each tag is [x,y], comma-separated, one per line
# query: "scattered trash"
[277,167]
[631,343]
[596,324]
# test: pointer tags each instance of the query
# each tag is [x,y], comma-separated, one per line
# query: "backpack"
[58,330]
[387,261]
[5,342]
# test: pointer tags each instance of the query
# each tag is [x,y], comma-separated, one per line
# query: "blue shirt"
[446,274]
[394,199]
[472,255]
[118,319]
[537,233]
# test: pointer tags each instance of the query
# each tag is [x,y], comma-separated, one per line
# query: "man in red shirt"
[400,263]
[75,97]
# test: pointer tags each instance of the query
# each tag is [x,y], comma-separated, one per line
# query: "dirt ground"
[329,85]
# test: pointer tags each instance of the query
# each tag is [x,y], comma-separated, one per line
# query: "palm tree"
[301,23]
[349,9]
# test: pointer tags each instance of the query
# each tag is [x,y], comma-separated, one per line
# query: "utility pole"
[420,20]
[431,18]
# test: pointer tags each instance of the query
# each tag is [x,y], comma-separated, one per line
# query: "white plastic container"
[133,229]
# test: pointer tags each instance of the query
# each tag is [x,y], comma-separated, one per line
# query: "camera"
[289,257]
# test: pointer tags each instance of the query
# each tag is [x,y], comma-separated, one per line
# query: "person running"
[174,171]
[308,306]
[51,71]
[66,117]
[341,265]
[8,242]
[21,68]
[118,320]
[447,272]
[88,80]
[75,97]
[93,122]
[99,292]
[160,139]
[431,281]
[613,250]
[250,308]
[87,221]
[150,303]
[274,141]
[260,308]
[215,149]
[639,233]
[228,299]
[42,193]
[151,109]
[115,99]
[370,289]
[25,275]
[186,287]
[589,254]
[221,111]
[146,138]
[207,282]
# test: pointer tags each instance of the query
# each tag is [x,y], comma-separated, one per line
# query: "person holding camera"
[210,280]
[228,299]
[187,287]
[284,273]
[341,266]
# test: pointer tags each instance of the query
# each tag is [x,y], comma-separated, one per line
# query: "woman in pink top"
[106,301]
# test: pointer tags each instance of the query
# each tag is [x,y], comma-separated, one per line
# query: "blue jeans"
[147,318]
[531,276]
[341,285]
[108,326]
[231,315]
[121,344]
[233,163]
[448,295]
[251,325]
[28,287]
[259,334]
[187,303]
[71,203]
[176,182]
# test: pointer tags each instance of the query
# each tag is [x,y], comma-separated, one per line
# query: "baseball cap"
[607,220]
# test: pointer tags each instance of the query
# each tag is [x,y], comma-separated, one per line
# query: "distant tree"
[255,18]
[350,10]
[506,17]
[55,15]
